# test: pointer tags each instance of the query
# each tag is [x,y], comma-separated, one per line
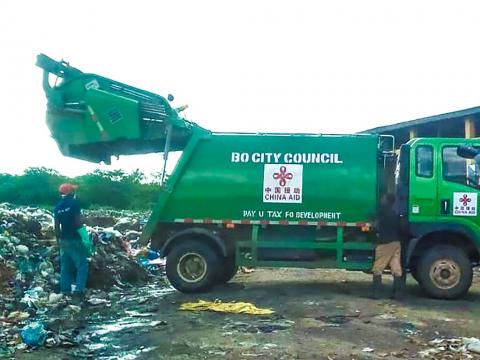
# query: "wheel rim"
[445,274]
[192,267]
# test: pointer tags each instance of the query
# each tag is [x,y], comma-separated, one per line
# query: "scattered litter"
[75,309]
[311,303]
[386,317]
[96,301]
[158,323]
[472,344]
[217,352]
[447,348]
[246,270]
[18,315]
[22,249]
[137,314]
[230,307]
[5,351]
[54,298]
[30,268]
[368,350]
[405,328]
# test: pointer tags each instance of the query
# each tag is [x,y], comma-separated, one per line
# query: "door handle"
[445,206]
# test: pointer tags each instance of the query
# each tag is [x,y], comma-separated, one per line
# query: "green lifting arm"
[94,118]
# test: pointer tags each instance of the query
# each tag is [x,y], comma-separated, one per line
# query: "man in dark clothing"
[73,254]
[388,249]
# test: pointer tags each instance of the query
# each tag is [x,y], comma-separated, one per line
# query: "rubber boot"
[377,287]
[398,287]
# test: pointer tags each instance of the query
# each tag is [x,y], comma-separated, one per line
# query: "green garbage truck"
[273,199]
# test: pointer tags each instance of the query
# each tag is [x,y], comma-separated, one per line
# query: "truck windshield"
[458,169]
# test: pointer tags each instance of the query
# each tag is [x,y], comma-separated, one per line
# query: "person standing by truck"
[73,254]
[388,248]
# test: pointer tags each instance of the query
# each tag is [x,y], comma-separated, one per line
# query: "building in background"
[461,124]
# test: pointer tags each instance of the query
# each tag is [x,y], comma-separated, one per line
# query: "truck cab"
[437,185]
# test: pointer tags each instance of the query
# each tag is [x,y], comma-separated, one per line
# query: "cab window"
[458,169]
[424,161]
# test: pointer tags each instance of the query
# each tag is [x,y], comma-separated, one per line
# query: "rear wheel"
[414,270]
[227,271]
[445,272]
[192,266]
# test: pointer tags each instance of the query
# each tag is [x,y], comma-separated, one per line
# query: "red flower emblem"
[283,176]
[465,200]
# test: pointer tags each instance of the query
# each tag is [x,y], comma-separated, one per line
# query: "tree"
[108,188]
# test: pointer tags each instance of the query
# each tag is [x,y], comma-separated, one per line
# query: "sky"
[257,66]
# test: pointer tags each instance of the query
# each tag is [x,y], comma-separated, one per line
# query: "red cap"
[66,189]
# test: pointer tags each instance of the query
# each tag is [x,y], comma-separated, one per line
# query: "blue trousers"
[73,266]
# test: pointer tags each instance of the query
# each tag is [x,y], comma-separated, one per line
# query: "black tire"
[192,266]
[414,270]
[445,272]
[227,271]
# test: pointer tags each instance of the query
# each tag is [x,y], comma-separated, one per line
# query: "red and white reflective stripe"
[95,118]
[272,222]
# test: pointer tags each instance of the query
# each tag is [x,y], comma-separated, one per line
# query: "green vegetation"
[115,189]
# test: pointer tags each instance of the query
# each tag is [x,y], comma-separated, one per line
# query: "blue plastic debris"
[143,261]
[34,334]
[154,264]
[152,255]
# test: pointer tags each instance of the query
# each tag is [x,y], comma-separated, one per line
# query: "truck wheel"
[227,271]
[414,270]
[445,272]
[192,266]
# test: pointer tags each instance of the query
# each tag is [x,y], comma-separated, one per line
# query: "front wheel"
[414,270]
[445,272]
[227,271]
[192,266]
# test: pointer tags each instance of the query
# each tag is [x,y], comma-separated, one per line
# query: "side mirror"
[386,144]
[170,97]
[467,152]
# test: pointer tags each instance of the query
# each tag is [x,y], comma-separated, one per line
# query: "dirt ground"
[319,314]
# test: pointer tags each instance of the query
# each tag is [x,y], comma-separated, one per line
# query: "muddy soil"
[319,314]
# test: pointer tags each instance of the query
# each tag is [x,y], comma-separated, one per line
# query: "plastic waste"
[30,271]
[152,255]
[34,334]
[33,297]
[22,249]
[86,240]
[5,351]
[54,298]
[153,264]
[97,301]
[472,344]
[443,348]
[18,315]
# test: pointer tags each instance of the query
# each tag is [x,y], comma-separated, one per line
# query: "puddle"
[120,325]
[113,334]
[405,328]
[259,326]
[337,319]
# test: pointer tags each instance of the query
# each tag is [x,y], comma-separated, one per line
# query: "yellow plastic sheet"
[229,307]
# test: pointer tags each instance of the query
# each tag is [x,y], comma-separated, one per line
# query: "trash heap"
[116,230]
[29,269]
[453,348]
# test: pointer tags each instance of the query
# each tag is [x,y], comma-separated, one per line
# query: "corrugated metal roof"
[426,120]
